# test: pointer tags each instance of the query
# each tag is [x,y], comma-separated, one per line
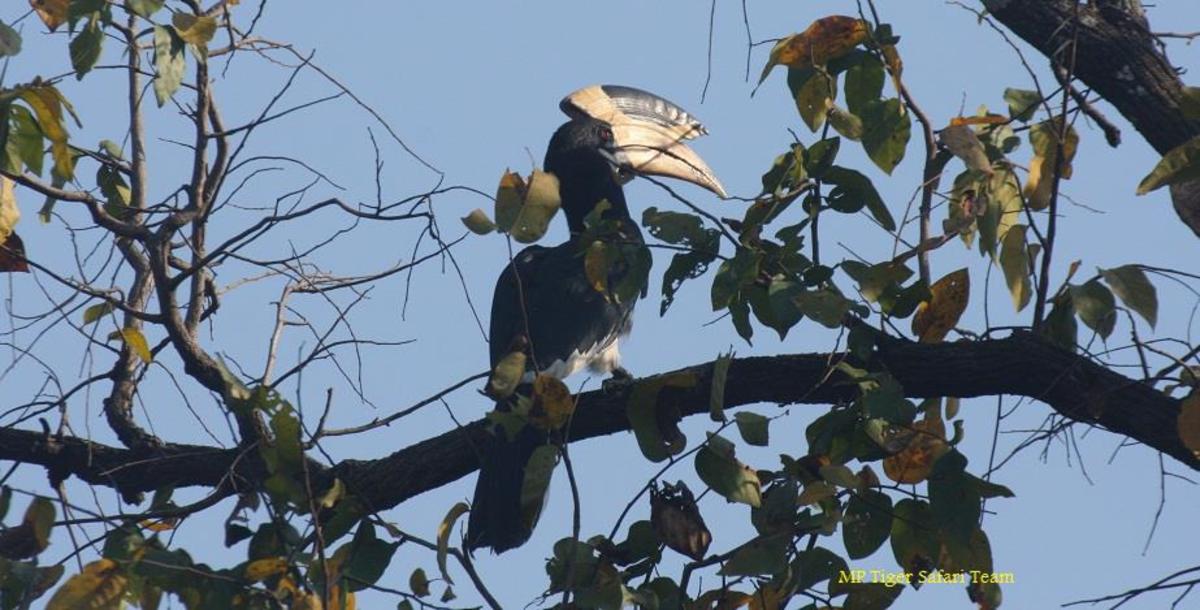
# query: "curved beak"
[648,148]
[649,133]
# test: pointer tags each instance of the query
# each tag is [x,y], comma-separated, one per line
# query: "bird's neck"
[578,200]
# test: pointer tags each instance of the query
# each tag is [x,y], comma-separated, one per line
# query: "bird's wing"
[544,296]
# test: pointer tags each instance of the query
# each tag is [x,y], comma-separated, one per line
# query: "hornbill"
[544,304]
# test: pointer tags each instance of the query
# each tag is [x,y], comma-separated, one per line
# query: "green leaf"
[732,275]
[24,143]
[915,543]
[716,397]
[825,306]
[852,190]
[1014,260]
[864,83]
[653,413]
[867,523]
[787,171]
[1135,291]
[719,468]
[369,558]
[195,30]
[739,315]
[840,475]
[867,595]
[418,583]
[1095,305]
[537,480]
[169,63]
[1180,164]
[816,565]
[684,266]
[86,47]
[845,123]
[10,41]
[813,90]
[445,528]
[887,130]
[753,427]
[954,500]
[876,280]
[478,222]
[1022,103]
[1060,326]
[674,227]
[146,8]
[762,555]
[962,142]
[820,157]
[782,304]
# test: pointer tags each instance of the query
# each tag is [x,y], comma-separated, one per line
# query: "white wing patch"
[602,358]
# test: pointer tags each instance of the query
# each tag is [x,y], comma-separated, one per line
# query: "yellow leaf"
[159,525]
[987,119]
[136,341]
[721,599]
[937,316]
[193,29]
[552,403]
[538,206]
[47,105]
[478,222]
[443,537]
[311,601]
[9,212]
[1044,137]
[100,586]
[52,12]
[767,598]
[334,494]
[925,445]
[262,569]
[509,196]
[1189,423]
[39,517]
[507,375]
[825,39]
[595,265]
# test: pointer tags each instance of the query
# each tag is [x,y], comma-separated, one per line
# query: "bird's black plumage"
[544,304]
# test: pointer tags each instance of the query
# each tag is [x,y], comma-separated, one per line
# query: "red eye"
[606,134]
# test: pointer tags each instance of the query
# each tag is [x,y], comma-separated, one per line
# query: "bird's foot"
[620,381]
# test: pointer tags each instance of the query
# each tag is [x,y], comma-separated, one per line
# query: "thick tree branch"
[1118,56]
[1022,364]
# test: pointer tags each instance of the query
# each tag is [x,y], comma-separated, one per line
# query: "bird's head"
[616,133]
[645,134]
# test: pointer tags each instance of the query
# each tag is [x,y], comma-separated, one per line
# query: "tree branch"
[1118,56]
[1022,364]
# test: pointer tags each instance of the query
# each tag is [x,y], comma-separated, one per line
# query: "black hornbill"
[544,304]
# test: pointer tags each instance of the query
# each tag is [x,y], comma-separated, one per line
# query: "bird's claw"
[620,381]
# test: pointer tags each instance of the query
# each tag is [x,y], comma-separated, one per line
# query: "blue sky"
[473,88]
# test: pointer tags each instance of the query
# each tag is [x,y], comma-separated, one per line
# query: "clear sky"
[473,87]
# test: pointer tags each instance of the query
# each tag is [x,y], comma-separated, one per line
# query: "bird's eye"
[606,134]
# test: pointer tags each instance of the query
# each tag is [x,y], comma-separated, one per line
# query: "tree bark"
[1022,364]
[1118,56]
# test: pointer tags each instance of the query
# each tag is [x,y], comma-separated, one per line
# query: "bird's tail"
[497,519]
